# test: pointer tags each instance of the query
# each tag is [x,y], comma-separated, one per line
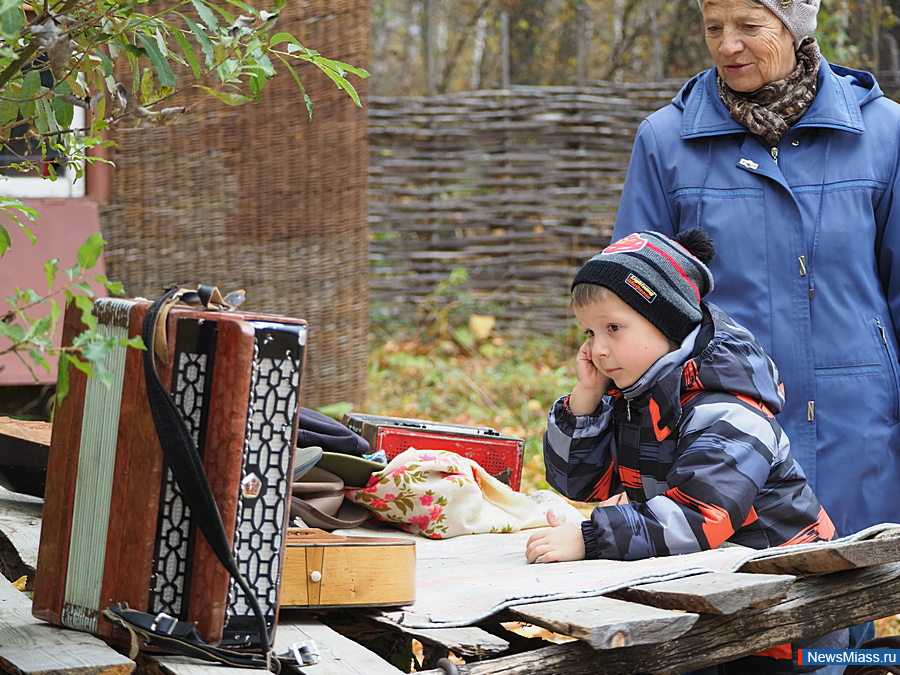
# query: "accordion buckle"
[305,653]
[163,623]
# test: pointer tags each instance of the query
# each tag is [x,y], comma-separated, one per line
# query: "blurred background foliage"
[480,44]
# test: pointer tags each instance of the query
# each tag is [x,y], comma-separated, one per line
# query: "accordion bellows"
[115,528]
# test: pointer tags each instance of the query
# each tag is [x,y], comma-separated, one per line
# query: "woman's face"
[749,44]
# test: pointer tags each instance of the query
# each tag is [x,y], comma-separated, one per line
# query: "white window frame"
[33,187]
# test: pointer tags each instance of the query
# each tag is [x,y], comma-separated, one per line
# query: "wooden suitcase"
[327,570]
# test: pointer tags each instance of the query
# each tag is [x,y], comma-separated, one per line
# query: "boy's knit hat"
[656,276]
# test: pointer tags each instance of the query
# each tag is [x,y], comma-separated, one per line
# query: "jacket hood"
[841,92]
[726,358]
[733,361]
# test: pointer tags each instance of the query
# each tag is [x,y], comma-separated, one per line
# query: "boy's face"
[623,343]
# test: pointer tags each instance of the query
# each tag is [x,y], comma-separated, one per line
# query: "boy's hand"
[558,543]
[592,383]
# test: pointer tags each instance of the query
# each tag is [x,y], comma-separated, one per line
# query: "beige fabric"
[440,494]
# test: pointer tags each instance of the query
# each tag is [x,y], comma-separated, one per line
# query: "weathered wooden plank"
[713,593]
[606,623]
[32,647]
[20,521]
[849,555]
[467,642]
[184,665]
[814,606]
[338,655]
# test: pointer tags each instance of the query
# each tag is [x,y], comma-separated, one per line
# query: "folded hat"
[320,430]
[305,459]
[355,471]
[318,499]
[319,493]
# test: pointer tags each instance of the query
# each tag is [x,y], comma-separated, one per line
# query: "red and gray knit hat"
[660,278]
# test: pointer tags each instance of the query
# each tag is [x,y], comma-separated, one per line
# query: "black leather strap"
[180,637]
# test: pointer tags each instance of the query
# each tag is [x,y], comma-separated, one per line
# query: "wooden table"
[665,627]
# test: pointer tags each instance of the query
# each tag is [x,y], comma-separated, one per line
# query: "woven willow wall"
[519,187]
[261,198]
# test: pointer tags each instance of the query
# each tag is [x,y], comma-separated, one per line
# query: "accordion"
[116,528]
[501,456]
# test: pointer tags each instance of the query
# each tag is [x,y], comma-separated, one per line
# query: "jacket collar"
[837,105]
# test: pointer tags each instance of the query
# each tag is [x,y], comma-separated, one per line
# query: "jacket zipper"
[892,372]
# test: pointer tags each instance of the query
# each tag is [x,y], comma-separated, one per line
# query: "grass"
[489,382]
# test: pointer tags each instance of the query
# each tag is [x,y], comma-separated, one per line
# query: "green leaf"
[227,97]
[30,85]
[89,252]
[306,98]
[114,287]
[12,18]
[350,69]
[206,15]
[55,310]
[62,378]
[86,305]
[9,111]
[188,50]
[136,342]
[39,360]
[161,63]
[206,44]
[5,241]
[96,352]
[51,268]
[339,81]
[83,366]
[84,288]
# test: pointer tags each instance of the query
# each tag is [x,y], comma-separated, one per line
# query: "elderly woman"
[791,165]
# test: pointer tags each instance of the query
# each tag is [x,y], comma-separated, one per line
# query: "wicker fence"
[518,187]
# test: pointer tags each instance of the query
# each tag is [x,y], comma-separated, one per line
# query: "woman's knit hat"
[798,16]
[660,278]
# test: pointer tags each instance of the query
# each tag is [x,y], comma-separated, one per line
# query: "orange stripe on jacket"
[716,522]
[784,651]
[662,432]
[630,477]
[759,405]
[821,530]
[601,489]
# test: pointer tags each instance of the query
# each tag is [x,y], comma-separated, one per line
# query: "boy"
[674,409]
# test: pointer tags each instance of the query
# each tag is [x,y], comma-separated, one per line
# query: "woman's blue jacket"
[808,239]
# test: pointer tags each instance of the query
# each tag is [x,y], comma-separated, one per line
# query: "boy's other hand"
[558,543]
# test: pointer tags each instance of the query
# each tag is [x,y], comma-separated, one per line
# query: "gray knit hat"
[798,16]
[657,277]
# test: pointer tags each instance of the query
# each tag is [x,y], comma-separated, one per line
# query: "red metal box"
[501,456]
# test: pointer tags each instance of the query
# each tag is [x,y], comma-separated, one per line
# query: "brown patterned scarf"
[771,110]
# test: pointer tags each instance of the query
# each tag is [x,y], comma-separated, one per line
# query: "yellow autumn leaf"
[481,325]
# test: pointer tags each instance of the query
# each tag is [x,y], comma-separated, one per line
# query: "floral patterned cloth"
[440,494]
